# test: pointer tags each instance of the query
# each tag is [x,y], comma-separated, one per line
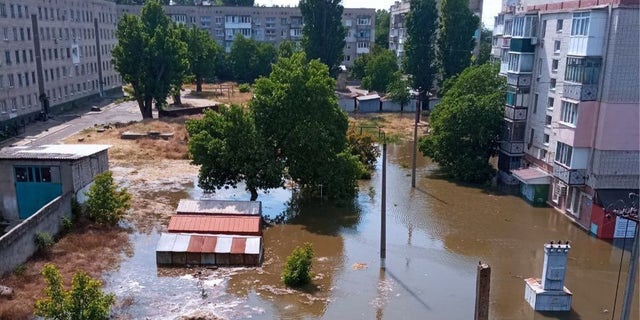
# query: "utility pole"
[483,287]
[631,273]
[383,206]
[415,138]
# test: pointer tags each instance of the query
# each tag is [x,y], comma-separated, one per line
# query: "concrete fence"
[18,244]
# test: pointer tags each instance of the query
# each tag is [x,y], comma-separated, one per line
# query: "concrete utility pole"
[383,206]
[631,278]
[415,138]
[483,286]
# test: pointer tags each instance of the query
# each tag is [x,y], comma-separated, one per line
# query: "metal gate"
[35,187]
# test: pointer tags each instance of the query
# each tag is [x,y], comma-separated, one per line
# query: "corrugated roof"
[197,243]
[219,207]
[240,225]
[53,151]
[532,175]
[368,97]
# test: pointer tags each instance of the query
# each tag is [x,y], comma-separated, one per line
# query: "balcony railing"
[516,114]
[572,177]
[512,148]
[580,92]
[518,80]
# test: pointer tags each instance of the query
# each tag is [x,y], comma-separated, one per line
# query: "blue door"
[35,187]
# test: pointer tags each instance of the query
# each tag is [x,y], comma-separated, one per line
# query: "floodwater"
[436,234]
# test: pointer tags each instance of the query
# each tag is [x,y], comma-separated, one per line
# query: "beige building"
[267,24]
[53,53]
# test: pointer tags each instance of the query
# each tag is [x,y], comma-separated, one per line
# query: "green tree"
[379,71]
[238,3]
[466,124]
[382,28]
[229,150]
[297,269]
[150,56]
[105,203]
[323,35]
[297,113]
[359,66]
[486,37]
[250,59]
[202,53]
[85,299]
[455,39]
[287,48]
[420,60]
[398,90]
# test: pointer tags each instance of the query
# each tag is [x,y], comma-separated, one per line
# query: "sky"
[489,10]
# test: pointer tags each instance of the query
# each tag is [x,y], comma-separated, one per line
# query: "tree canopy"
[420,61]
[149,55]
[379,70]
[398,90]
[297,113]
[484,53]
[229,150]
[202,53]
[455,39]
[250,59]
[466,125]
[323,35]
[382,28]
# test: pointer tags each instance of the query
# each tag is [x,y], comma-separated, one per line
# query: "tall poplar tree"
[323,33]
[455,41]
[420,61]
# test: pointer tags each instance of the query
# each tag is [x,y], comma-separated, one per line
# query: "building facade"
[572,106]
[52,54]
[267,24]
[398,28]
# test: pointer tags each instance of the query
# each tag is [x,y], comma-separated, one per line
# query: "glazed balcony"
[572,177]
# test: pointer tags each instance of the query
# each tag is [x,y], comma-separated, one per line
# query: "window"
[550,102]
[559,25]
[545,139]
[531,137]
[556,47]
[580,24]
[558,191]
[547,121]
[535,103]
[520,62]
[573,203]
[11,80]
[563,154]
[585,70]
[554,65]
[525,26]
[543,29]
[569,113]
[7,58]
[552,84]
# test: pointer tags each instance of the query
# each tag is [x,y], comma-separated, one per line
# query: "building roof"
[368,97]
[198,243]
[532,175]
[52,151]
[219,207]
[240,225]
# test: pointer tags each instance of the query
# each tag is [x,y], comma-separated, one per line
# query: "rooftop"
[240,225]
[219,207]
[52,151]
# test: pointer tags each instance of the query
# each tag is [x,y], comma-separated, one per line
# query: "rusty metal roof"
[198,243]
[219,207]
[52,151]
[237,225]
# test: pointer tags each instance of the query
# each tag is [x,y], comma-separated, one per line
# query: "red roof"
[240,225]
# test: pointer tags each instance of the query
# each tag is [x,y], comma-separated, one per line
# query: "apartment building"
[53,53]
[571,137]
[267,24]
[398,28]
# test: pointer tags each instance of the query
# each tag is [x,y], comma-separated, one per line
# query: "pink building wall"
[618,127]
[583,134]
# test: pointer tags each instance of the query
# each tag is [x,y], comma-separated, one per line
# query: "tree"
[149,55]
[238,3]
[297,269]
[398,90]
[382,28]
[105,203]
[486,37]
[455,41]
[229,150]
[85,299]
[359,65]
[466,124]
[250,59]
[420,63]
[202,52]
[297,113]
[323,35]
[379,71]
[287,48]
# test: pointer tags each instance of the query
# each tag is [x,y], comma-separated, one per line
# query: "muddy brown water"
[436,234]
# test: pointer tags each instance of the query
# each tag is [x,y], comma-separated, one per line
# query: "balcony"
[580,92]
[515,113]
[521,45]
[504,66]
[518,80]
[496,51]
[506,43]
[572,177]
[512,148]
[498,30]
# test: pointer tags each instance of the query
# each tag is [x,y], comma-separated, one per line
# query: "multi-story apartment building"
[52,54]
[571,136]
[268,24]
[398,28]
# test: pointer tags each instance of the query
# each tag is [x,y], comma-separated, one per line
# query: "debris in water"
[359,266]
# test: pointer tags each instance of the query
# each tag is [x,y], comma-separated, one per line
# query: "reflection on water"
[436,234]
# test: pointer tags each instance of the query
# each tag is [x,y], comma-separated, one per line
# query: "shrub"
[297,269]
[76,209]
[43,240]
[106,204]
[67,225]
[244,87]
[85,299]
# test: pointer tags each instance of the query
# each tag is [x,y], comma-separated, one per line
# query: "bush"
[297,269]
[43,241]
[106,204]
[76,209]
[244,87]
[85,299]
[67,225]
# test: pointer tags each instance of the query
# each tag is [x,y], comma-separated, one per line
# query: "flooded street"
[436,234]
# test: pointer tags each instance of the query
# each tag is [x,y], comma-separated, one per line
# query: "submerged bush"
[297,269]
[106,204]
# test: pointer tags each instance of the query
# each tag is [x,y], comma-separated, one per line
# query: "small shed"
[219,207]
[368,103]
[176,249]
[210,224]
